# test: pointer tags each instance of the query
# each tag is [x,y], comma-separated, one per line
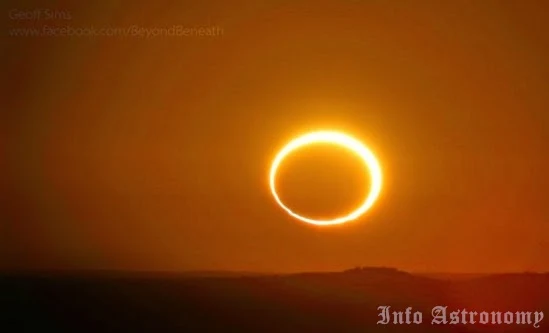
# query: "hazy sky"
[153,153]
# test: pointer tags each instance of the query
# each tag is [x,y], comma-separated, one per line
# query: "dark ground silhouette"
[308,302]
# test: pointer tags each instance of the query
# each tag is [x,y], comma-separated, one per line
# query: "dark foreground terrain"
[312,302]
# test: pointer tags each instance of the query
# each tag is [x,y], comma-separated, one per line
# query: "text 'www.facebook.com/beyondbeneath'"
[131,31]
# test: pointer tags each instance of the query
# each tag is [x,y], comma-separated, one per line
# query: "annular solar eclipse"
[335,138]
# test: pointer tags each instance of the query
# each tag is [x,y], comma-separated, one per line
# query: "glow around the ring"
[340,139]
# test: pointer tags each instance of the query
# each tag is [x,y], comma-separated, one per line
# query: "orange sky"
[153,154]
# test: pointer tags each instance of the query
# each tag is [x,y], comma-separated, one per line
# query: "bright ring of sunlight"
[340,139]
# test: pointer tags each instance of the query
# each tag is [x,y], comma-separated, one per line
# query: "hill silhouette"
[247,302]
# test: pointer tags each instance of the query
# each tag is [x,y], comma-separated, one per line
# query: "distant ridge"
[371,271]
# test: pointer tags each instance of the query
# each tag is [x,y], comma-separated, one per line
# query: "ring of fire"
[340,139]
